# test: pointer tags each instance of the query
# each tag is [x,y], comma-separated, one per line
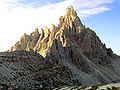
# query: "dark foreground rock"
[27,69]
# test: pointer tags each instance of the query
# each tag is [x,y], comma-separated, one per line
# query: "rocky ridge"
[75,47]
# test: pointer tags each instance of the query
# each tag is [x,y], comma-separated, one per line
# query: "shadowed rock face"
[75,47]
[28,69]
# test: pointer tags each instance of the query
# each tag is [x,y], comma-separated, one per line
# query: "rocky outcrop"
[70,30]
[20,45]
[28,69]
[75,47]
[26,42]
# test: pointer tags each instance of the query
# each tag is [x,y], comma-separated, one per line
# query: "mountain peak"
[70,28]
[75,47]
[71,22]
[70,13]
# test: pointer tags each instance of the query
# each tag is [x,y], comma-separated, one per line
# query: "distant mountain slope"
[70,45]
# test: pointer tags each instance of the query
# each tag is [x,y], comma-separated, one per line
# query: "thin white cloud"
[17,18]
[92,11]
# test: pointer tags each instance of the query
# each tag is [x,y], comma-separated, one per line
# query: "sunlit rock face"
[70,31]
[26,42]
[72,45]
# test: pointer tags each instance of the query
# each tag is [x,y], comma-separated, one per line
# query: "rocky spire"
[71,21]
[53,31]
[46,31]
[69,32]
[70,15]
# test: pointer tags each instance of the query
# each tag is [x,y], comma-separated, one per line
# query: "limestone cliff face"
[70,30]
[74,46]
[26,42]
[70,24]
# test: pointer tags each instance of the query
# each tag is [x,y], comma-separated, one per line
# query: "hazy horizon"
[23,16]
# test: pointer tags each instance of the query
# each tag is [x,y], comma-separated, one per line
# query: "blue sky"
[22,16]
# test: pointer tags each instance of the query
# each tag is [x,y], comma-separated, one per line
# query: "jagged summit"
[70,20]
[70,23]
[75,47]
[69,28]
[71,16]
